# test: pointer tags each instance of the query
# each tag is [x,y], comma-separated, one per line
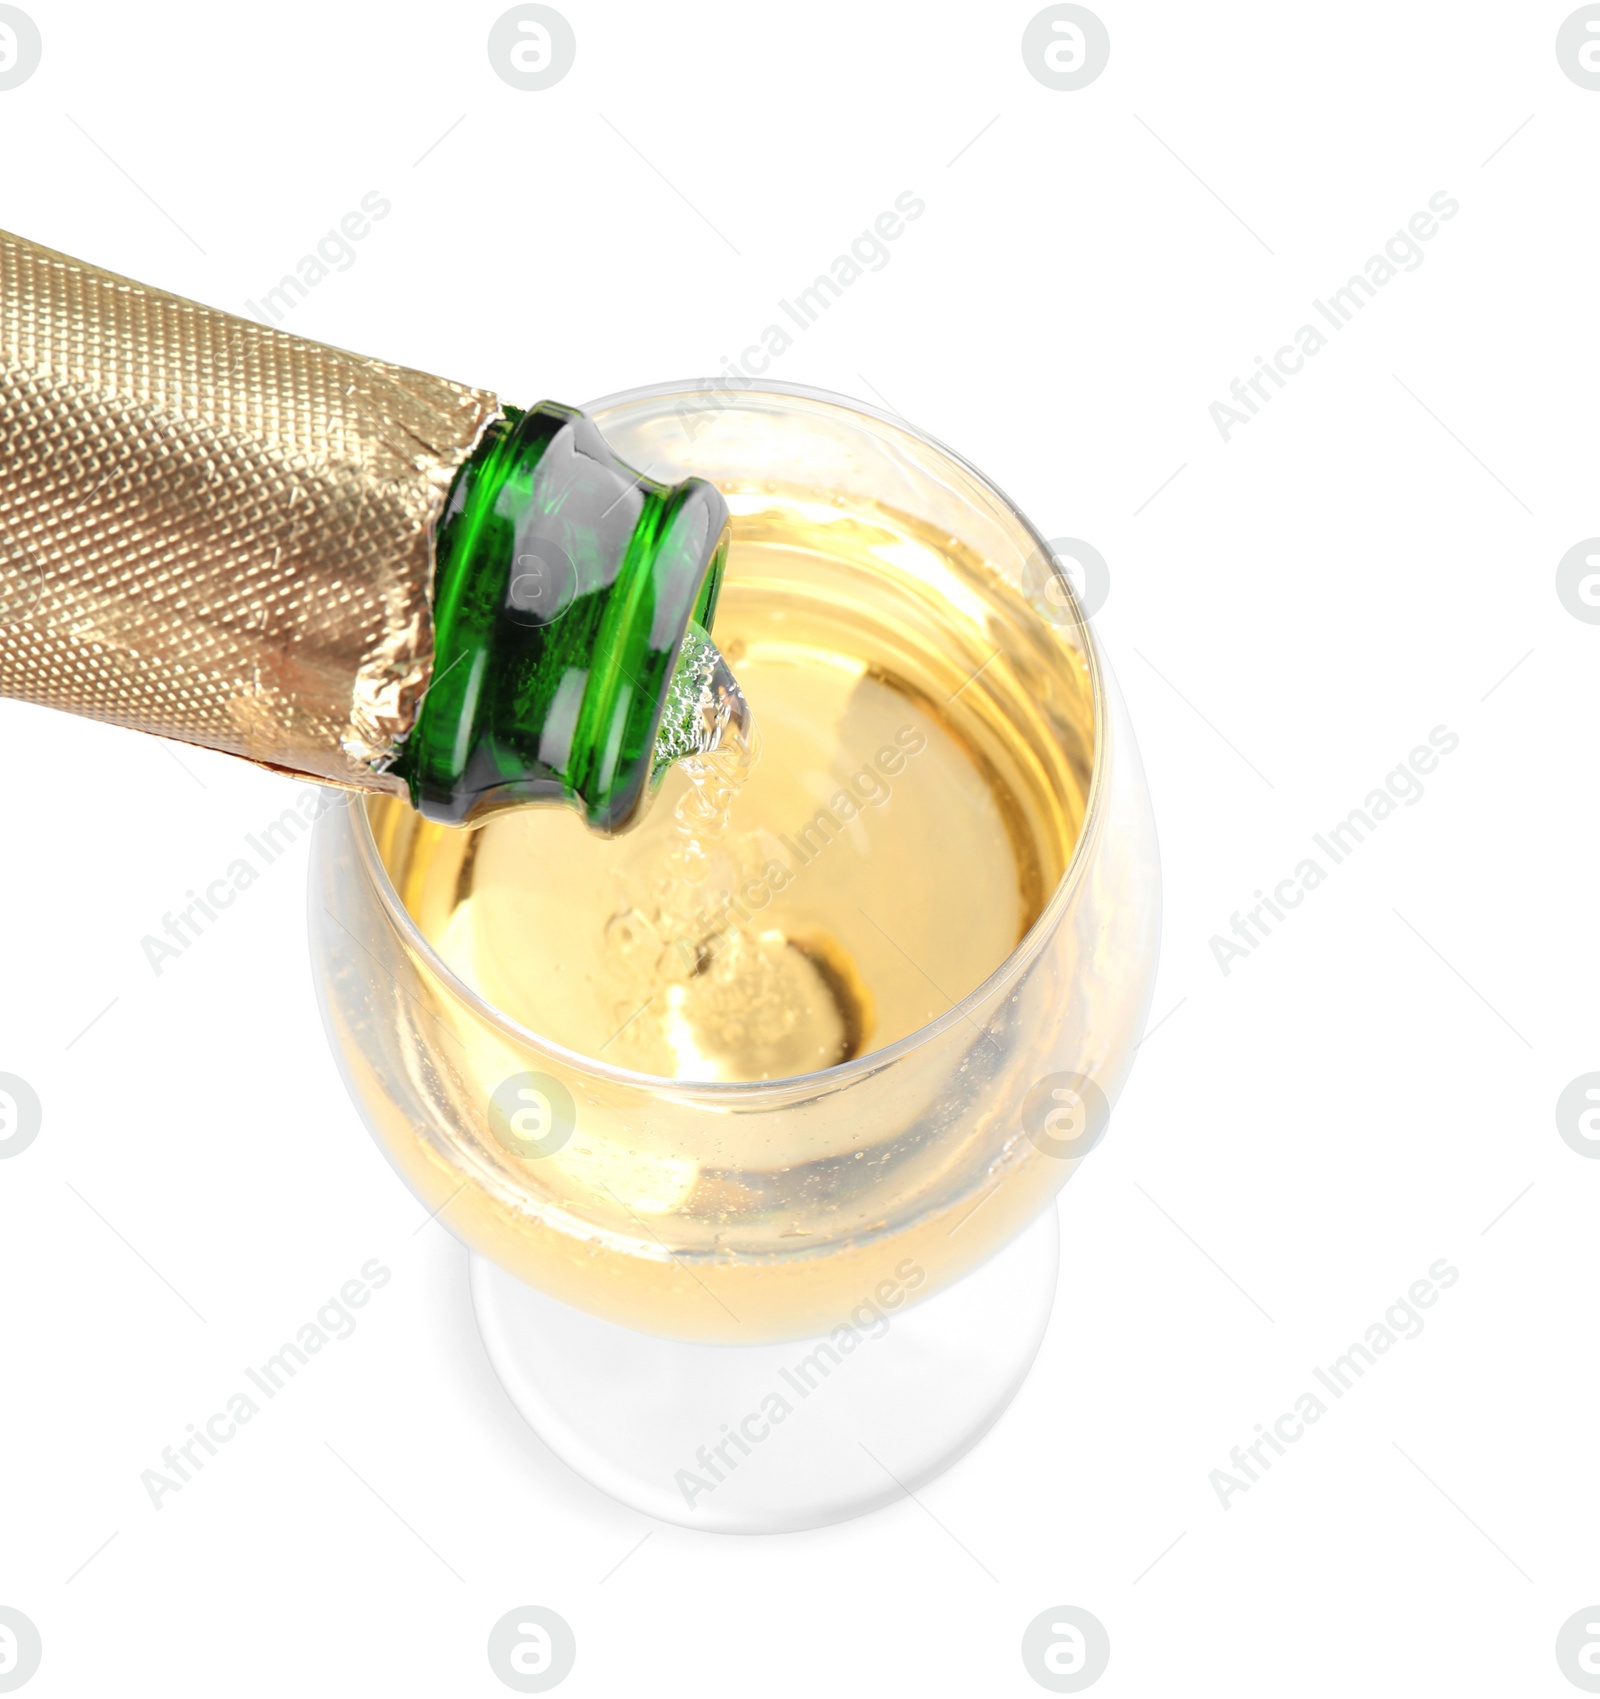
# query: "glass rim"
[837,1074]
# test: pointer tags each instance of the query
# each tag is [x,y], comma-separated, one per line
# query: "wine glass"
[764,1303]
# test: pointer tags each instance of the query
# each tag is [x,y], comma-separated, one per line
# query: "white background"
[1361,1096]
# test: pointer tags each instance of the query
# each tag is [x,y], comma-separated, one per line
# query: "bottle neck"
[564,585]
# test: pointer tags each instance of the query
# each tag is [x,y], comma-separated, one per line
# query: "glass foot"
[766,1439]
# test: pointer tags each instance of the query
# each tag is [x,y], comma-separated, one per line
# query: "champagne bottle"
[343,569]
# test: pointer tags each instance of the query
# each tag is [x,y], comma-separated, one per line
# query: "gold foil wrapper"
[215,531]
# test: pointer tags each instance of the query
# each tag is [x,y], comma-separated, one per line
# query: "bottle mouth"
[565,585]
[666,592]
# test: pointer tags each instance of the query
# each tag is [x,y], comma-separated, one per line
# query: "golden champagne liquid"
[927,736]
[868,870]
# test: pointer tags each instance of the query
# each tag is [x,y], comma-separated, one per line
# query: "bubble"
[628,932]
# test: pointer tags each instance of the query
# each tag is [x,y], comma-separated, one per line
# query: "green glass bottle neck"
[564,584]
